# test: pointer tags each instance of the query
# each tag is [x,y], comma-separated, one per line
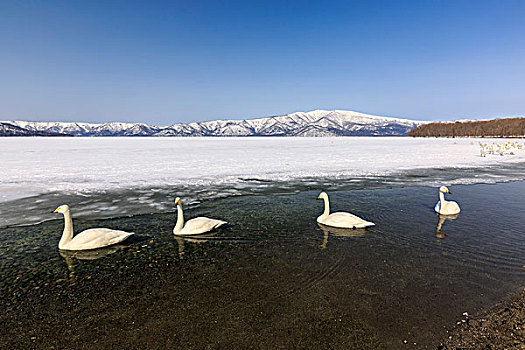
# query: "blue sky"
[166,62]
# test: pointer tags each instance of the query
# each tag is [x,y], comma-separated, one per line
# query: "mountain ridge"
[7,129]
[317,123]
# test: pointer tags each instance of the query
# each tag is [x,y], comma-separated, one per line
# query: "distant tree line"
[512,127]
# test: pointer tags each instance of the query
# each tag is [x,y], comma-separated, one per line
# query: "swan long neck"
[180,219]
[67,235]
[442,197]
[326,206]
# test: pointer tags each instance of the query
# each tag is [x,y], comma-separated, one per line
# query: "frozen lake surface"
[124,176]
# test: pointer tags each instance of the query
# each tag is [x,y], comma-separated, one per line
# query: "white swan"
[340,219]
[195,226]
[89,239]
[483,152]
[446,207]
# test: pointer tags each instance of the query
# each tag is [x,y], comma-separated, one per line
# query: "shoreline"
[499,327]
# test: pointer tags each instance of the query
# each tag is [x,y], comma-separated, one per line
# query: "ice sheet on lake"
[121,176]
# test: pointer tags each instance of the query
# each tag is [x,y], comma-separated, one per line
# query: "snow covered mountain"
[7,129]
[87,129]
[314,123]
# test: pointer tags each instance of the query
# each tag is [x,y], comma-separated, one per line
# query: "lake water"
[272,278]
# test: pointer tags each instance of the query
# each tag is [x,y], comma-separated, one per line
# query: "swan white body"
[89,239]
[195,226]
[340,219]
[445,207]
[483,152]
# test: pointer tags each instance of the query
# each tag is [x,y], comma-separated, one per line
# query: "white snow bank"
[30,166]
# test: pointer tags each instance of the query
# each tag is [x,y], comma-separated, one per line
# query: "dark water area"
[273,278]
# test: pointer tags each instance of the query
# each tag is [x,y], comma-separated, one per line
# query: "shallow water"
[273,278]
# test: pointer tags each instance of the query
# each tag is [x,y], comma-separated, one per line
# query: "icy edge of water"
[145,200]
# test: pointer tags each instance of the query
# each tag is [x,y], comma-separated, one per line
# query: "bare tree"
[512,127]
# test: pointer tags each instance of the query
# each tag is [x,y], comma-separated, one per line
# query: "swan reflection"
[72,256]
[181,241]
[339,232]
[442,219]
[92,254]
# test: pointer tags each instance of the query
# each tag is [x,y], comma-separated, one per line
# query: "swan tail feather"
[120,238]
